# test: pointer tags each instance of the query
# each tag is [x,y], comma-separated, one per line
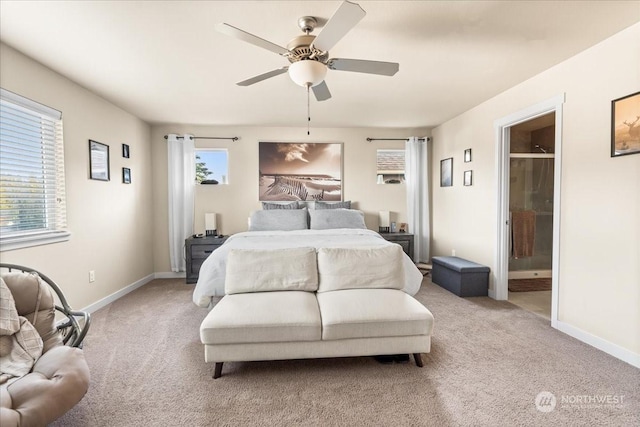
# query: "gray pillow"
[333,205]
[279,219]
[325,219]
[270,206]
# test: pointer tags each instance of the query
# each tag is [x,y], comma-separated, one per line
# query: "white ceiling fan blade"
[321,91]
[237,33]
[362,66]
[262,77]
[345,18]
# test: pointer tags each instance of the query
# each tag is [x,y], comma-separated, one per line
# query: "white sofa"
[302,303]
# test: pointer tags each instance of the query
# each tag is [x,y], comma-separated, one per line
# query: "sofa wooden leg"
[418,358]
[217,373]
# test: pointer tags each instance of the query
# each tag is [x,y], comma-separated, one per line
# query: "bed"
[211,282]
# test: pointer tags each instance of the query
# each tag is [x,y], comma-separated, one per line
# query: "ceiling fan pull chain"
[308,110]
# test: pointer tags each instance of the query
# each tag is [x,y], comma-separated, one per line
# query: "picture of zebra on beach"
[300,171]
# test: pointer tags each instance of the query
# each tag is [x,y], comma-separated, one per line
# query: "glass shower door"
[531,207]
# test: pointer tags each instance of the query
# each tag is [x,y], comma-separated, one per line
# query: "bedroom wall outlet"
[92,276]
[453,252]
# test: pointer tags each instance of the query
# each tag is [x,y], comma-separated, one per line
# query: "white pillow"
[252,270]
[360,268]
[325,219]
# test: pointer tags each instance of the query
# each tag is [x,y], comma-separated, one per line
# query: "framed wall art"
[446,172]
[125,151]
[126,176]
[625,125]
[467,155]
[468,178]
[98,161]
[300,171]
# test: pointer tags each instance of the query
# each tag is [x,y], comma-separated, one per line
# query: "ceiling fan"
[309,55]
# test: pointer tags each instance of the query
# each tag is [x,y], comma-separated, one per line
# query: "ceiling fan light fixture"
[307,72]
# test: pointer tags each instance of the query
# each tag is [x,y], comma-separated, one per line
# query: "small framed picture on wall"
[467,155]
[98,161]
[625,125]
[446,172]
[125,151]
[468,178]
[126,175]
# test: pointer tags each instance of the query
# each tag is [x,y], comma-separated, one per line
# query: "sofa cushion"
[263,317]
[356,268]
[369,313]
[254,270]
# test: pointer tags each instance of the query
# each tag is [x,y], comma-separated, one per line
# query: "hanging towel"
[523,233]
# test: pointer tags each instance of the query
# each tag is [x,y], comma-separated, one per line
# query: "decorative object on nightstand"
[403,239]
[211,229]
[384,222]
[197,250]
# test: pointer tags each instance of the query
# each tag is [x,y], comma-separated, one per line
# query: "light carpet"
[489,361]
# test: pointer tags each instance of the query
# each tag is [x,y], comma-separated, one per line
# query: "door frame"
[502,137]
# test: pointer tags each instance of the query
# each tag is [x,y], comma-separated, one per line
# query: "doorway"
[529,163]
[531,166]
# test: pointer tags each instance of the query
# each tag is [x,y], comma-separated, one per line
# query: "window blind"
[32,190]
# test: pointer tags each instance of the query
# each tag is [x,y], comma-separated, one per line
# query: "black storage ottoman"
[463,278]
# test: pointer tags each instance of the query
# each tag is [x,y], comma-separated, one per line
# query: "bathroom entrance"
[529,173]
[531,200]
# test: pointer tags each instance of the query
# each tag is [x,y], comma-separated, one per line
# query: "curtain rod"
[233,138]
[396,139]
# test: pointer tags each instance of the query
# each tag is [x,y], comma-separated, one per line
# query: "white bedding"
[213,270]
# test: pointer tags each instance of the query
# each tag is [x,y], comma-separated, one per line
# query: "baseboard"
[614,350]
[119,294]
[170,275]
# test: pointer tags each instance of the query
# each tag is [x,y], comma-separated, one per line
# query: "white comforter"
[213,270]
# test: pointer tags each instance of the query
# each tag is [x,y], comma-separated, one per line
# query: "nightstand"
[197,250]
[403,239]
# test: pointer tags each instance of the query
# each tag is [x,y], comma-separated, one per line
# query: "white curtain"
[182,175]
[417,180]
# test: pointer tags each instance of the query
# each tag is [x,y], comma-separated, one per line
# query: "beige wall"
[234,202]
[111,223]
[599,290]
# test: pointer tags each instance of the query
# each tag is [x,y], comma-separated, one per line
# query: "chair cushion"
[368,313]
[59,380]
[354,268]
[30,294]
[263,317]
[251,270]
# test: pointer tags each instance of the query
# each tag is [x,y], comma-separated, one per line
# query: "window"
[390,166]
[212,166]
[32,194]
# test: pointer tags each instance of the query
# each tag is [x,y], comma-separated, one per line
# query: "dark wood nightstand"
[197,250]
[403,239]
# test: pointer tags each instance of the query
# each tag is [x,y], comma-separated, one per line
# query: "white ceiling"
[164,62]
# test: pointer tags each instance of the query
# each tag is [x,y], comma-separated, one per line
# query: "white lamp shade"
[307,72]
[384,218]
[210,221]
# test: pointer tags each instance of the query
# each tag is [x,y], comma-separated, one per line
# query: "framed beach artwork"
[625,125]
[300,171]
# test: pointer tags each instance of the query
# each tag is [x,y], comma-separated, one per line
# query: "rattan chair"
[59,379]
